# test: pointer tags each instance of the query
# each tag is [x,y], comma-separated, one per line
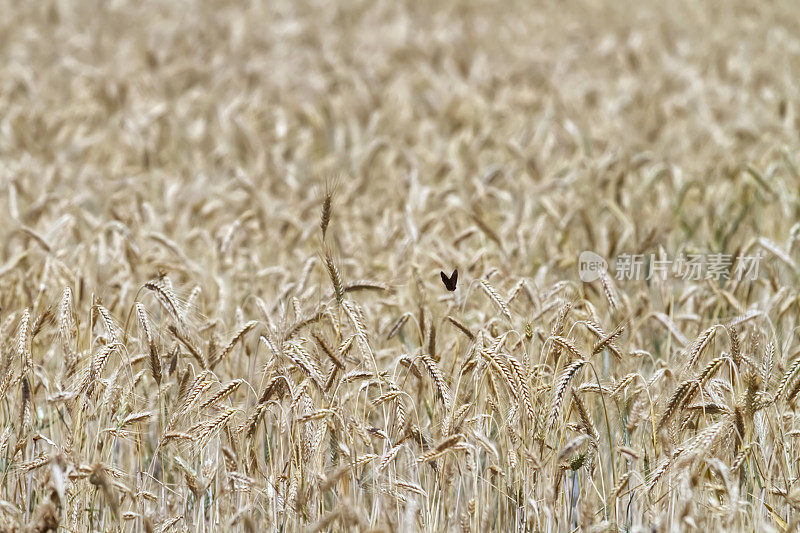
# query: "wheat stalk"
[561,387]
[495,298]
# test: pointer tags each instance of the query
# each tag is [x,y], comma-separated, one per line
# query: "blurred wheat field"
[222,226]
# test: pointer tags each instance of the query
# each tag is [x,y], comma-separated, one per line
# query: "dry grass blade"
[367,285]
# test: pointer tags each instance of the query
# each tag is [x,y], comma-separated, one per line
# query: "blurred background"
[183,117]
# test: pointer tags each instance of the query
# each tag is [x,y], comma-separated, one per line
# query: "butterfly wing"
[450,282]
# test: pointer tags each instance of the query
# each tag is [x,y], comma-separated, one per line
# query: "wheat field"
[222,228]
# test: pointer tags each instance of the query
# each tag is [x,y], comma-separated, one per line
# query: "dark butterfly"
[450,282]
